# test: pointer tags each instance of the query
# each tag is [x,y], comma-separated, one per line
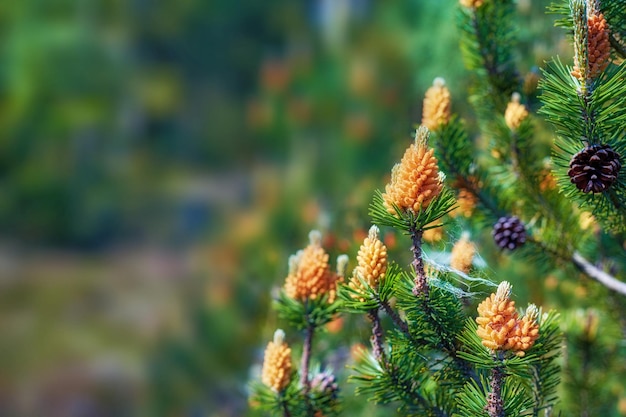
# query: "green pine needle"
[408,220]
[303,314]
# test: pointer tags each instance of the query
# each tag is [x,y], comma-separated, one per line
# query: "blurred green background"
[160,160]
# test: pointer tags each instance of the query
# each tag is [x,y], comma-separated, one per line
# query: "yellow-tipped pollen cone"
[462,254]
[500,327]
[526,332]
[310,275]
[436,106]
[415,181]
[515,112]
[497,318]
[276,371]
[598,48]
[372,262]
[466,202]
[434,234]
[598,45]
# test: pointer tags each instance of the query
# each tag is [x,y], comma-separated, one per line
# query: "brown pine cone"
[595,168]
[509,232]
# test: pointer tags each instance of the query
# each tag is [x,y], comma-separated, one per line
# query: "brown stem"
[597,274]
[306,359]
[421,290]
[588,116]
[586,268]
[304,365]
[495,405]
[401,324]
[421,285]
[377,335]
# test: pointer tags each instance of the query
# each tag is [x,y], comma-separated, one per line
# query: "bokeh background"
[159,162]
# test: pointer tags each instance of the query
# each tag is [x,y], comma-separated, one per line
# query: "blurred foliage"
[233,126]
[105,102]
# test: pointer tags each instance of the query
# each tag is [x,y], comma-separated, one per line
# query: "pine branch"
[377,336]
[483,49]
[487,44]
[368,299]
[304,368]
[584,266]
[448,346]
[495,405]
[400,379]
[421,285]
[306,355]
[401,324]
[560,253]
[421,289]
[588,113]
[410,394]
[437,324]
[597,274]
